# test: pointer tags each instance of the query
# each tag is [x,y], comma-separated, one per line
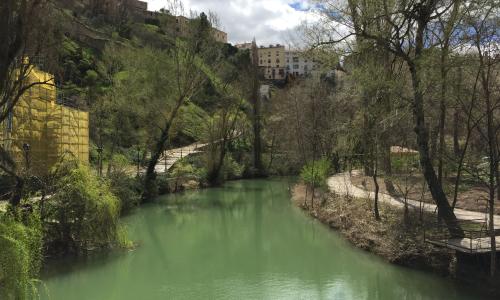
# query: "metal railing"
[475,230]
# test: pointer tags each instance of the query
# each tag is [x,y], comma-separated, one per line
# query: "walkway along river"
[242,241]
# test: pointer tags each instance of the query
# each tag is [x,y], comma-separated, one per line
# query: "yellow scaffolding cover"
[51,130]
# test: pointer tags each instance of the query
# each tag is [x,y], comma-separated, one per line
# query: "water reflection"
[243,241]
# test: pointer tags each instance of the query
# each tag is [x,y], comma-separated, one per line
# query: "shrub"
[231,169]
[123,186]
[126,188]
[20,257]
[82,213]
[315,172]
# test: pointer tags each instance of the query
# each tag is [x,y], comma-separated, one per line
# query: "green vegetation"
[21,256]
[315,173]
[82,214]
[150,88]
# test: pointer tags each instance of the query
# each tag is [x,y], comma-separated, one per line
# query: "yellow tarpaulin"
[51,130]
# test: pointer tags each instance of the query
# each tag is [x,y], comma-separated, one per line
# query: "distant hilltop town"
[277,63]
[137,10]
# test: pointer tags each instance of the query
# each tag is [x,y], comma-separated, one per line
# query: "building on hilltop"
[219,35]
[182,27]
[139,7]
[39,131]
[244,46]
[299,64]
[272,62]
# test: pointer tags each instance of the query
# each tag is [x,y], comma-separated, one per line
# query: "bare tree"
[23,37]
[193,59]
[408,24]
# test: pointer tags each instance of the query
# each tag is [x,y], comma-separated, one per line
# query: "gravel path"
[341,184]
[172,156]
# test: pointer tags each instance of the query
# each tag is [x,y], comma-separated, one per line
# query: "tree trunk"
[17,193]
[434,142]
[493,173]
[150,177]
[213,176]
[160,147]
[442,120]
[444,208]
[456,133]
[271,160]
[257,139]
[387,166]
[377,188]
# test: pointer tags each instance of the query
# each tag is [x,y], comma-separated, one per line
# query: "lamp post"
[99,159]
[165,161]
[26,149]
[138,160]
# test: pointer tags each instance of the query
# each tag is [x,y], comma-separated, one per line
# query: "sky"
[269,21]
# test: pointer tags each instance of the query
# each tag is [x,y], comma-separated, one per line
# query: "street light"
[99,155]
[26,149]
[138,160]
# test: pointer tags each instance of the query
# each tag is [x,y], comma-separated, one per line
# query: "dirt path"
[341,184]
[174,155]
[167,161]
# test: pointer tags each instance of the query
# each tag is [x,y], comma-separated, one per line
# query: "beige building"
[272,62]
[244,46]
[219,35]
[299,64]
[182,27]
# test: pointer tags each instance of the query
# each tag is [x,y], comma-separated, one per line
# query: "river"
[242,241]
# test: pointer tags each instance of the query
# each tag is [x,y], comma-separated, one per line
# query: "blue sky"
[269,21]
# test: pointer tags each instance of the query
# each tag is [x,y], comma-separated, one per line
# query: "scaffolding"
[39,131]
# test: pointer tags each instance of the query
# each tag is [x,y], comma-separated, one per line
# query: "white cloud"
[269,21]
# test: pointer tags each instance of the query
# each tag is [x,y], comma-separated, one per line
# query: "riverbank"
[396,240]
[194,245]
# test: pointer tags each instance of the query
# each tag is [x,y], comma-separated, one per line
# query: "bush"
[126,188]
[315,173]
[20,257]
[83,213]
[231,169]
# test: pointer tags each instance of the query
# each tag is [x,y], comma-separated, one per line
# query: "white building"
[298,64]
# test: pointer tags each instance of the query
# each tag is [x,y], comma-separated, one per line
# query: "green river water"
[242,241]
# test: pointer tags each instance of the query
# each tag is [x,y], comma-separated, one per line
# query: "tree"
[408,26]
[191,59]
[256,101]
[482,18]
[24,28]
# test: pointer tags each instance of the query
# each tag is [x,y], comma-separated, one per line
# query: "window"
[277,60]
[296,67]
[295,59]
[268,61]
